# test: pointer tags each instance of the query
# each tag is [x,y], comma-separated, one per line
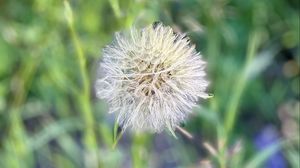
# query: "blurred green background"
[50,118]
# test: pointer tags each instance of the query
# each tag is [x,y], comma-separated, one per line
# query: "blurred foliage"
[49,53]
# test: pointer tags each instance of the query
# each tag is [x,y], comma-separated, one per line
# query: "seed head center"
[152,78]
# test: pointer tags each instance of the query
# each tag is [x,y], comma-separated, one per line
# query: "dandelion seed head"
[151,77]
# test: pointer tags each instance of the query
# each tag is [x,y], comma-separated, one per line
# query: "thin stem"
[232,109]
[116,141]
[185,133]
[90,140]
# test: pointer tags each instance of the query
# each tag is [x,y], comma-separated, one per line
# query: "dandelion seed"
[151,77]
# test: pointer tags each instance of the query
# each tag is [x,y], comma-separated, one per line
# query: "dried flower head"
[152,77]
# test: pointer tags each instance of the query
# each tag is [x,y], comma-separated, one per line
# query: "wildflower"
[152,77]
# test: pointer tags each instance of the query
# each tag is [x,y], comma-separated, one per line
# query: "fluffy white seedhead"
[151,77]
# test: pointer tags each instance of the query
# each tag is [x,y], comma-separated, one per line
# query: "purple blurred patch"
[268,136]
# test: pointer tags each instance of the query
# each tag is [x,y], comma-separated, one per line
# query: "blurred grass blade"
[68,12]
[293,156]
[261,62]
[53,131]
[118,137]
[261,157]
[116,126]
[117,134]
[116,7]
[232,108]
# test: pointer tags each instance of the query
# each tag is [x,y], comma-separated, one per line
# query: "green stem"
[90,140]
[232,110]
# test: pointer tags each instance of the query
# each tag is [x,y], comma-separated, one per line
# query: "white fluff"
[151,77]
